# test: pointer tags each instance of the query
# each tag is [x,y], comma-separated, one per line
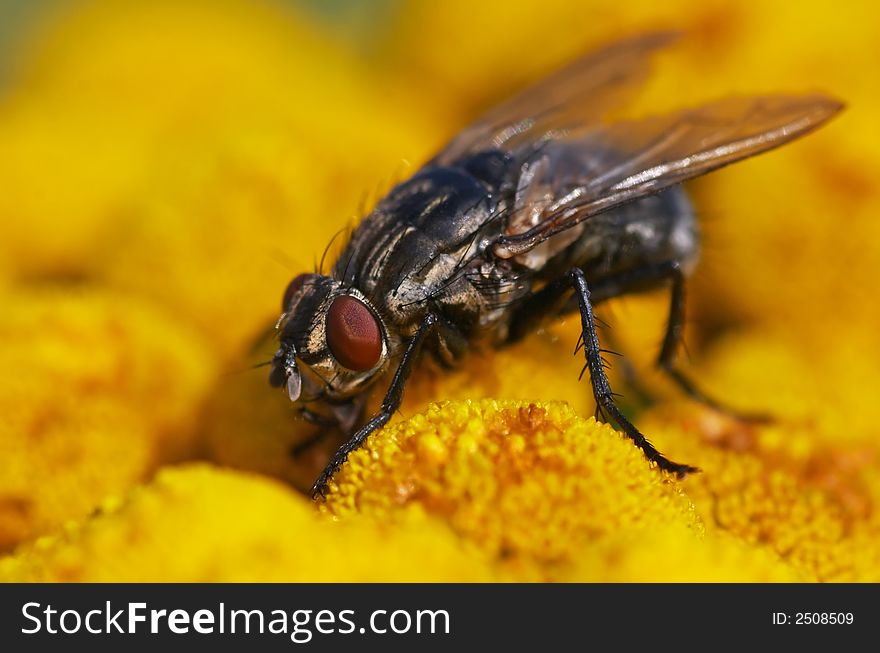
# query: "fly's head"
[333,343]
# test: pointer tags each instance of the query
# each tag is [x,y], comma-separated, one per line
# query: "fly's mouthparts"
[294,384]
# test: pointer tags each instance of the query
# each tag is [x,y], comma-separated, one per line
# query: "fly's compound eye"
[292,287]
[353,334]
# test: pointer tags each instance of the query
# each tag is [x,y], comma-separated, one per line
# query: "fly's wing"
[577,95]
[591,170]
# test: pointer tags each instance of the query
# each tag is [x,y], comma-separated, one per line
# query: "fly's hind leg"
[645,278]
[668,352]
[602,389]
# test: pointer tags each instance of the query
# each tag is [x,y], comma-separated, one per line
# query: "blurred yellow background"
[166,166]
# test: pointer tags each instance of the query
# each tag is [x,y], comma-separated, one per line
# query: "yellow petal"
[198,523]
[96,389]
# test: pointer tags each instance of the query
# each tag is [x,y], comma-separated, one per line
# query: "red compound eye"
[292,287]
[353,334]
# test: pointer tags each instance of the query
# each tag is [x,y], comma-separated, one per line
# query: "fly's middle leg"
[535,309]
[601,387]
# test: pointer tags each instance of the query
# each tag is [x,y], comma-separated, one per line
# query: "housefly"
[539,208]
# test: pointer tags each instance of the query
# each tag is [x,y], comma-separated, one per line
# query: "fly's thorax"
[408,249]
[333,341]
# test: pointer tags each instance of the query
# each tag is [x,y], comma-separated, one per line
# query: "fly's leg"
[326,425]
[666,360]
[602,389]
[303,446]
[390,404]
[646,278]
[341,421]
[535,309]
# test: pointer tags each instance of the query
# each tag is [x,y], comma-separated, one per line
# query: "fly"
[539,208]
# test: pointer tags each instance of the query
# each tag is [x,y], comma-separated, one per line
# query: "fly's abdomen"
[656,229]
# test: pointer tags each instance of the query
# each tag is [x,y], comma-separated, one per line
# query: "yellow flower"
[545,504]
[666,554]
[96,390]
[168,166]
[530,484]
[199,523]
[546,494]
[803,485]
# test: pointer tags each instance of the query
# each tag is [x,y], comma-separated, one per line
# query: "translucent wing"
[592,170]
[577,95]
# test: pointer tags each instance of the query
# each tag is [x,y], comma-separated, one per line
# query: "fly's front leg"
[340,422]
[390,404]
[602,389]
[325,425]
